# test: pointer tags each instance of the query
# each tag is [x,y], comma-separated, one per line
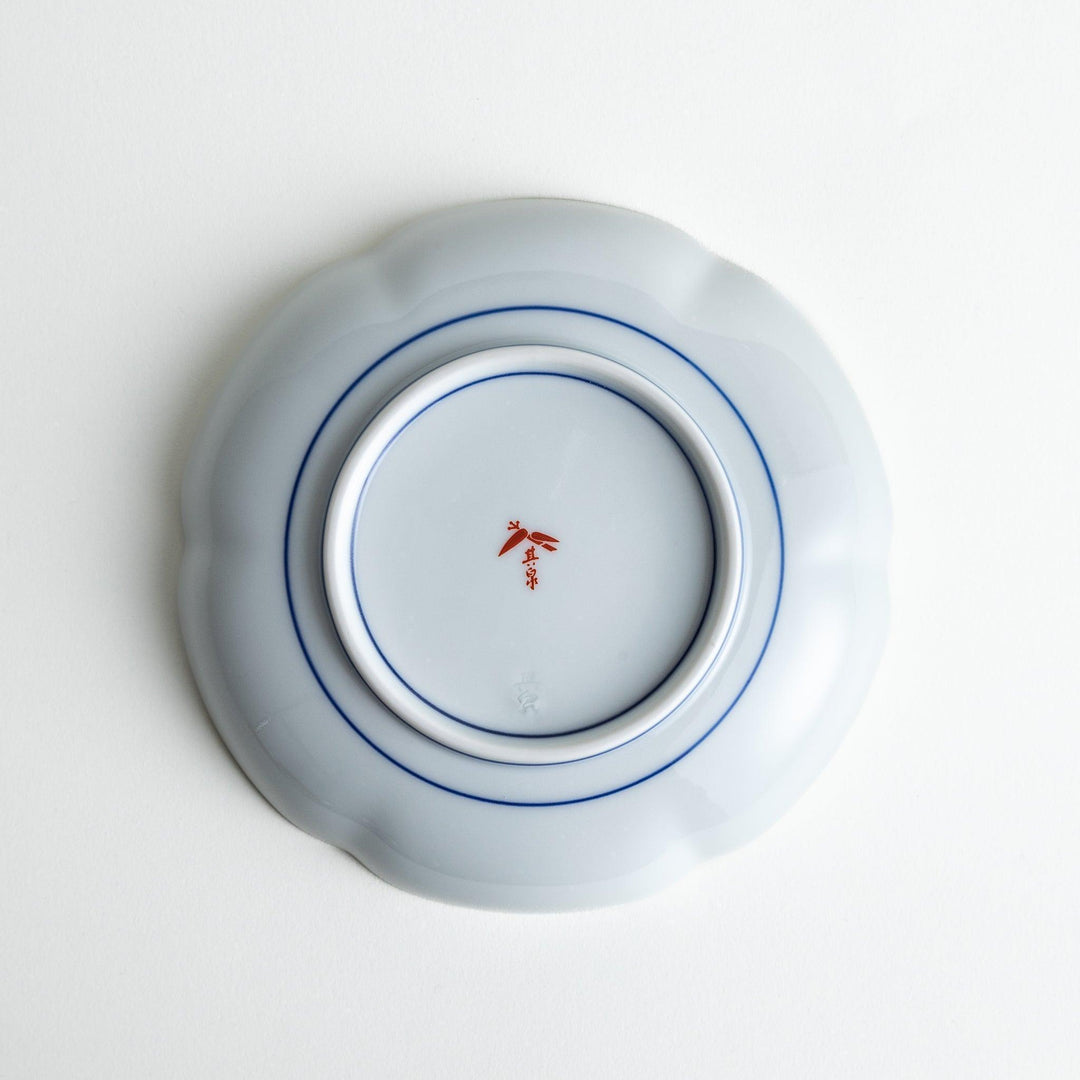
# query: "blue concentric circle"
[289,522]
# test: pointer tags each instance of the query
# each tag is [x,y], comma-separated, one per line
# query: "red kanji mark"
[544,540]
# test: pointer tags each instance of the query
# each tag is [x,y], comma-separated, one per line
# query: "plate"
[534,556]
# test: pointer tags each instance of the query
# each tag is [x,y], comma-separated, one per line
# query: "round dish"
[534,556]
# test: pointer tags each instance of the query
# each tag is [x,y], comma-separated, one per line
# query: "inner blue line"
[622,712]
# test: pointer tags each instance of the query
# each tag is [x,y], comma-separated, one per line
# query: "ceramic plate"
[534,556]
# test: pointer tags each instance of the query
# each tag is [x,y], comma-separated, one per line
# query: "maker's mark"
[519,535]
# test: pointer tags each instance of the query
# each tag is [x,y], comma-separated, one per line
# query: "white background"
[906,172]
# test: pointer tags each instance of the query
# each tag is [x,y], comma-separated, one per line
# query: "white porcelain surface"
[651,673]
[517,644]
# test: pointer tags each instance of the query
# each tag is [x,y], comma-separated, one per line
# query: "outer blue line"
[453,322]
[588,727]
